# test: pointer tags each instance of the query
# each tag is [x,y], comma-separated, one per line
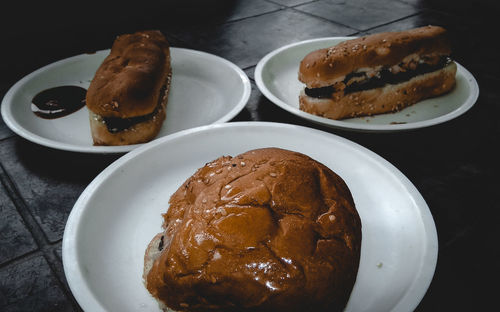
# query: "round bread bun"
[267,230]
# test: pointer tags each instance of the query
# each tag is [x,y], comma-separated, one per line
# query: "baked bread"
[267,230]
[375,74]
[128,95]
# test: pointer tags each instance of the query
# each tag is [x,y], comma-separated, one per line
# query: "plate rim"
[84,294]
[17,128]
[339,124]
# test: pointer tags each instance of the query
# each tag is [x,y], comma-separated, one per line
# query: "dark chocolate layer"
[383,78]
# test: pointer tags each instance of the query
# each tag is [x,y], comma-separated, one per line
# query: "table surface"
[454,165]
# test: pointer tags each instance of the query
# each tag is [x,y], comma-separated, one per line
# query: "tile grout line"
[22,209]
[284,5]
[324,19]
[390,22]
[45,248]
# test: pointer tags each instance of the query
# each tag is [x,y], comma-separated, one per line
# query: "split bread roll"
[377,74]
[128,95]
[267,230]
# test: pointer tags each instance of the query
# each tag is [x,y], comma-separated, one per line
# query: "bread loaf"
[376,74]
[128,95]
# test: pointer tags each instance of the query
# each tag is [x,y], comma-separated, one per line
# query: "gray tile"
[5,132]
[189,12]
[49,300]
[49,181]
[243,42]
[30,286]
[291,3]
[250,71]
[359,14]
[15,239]
[244,9]
[58,251]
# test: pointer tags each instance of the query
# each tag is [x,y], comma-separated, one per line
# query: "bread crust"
[267,230]
[128,82]
[390,98]
[140,132]
[327,66]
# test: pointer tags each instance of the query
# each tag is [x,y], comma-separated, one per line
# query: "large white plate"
[120,211]
[205,89]
[276,76]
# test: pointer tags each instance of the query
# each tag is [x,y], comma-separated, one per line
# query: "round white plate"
[205,89]
[120,211]
[276,76]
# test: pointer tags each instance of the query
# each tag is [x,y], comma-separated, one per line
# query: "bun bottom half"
[137,133]
[390,98]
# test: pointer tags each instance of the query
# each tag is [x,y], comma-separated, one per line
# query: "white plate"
[205,89]
[276,76]
[120,211]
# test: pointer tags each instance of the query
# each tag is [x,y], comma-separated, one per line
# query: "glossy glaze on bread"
[324,67]
[130,89]
[376,74]
[267,230]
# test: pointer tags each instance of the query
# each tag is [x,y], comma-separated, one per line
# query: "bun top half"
[129,81]
[267,230]
[324,67]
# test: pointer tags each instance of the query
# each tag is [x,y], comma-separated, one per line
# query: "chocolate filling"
[384,77]
[115,124]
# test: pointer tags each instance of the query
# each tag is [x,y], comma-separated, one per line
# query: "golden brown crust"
[326,66]
[128,82]
[141,132]
[390,98]
[267,230]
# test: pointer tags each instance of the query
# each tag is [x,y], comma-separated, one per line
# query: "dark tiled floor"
[30,285]
[242,42]
[454,165]
[15,238]
[359,14]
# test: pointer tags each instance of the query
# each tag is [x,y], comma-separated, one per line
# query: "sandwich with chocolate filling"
[266,230]
[128,95]
[376,74]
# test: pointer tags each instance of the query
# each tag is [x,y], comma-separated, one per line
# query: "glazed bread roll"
[128,95]
[267,230]
[375,74]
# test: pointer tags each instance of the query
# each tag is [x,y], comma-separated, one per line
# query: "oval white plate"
[120,211]
[205,89]
[276,76]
